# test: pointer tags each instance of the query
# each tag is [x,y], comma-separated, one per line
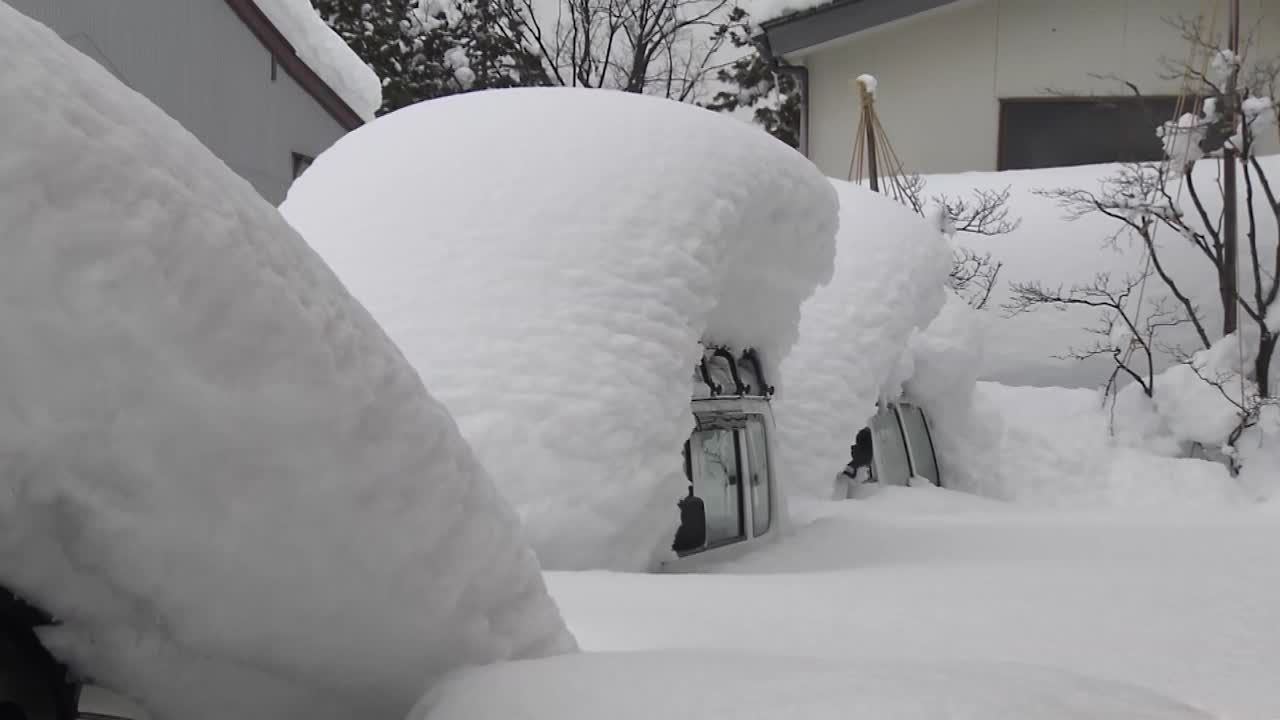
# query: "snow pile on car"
[218,473]
[549,260]
[890,278]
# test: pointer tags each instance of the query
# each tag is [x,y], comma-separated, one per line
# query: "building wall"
[943,73]
[197,61]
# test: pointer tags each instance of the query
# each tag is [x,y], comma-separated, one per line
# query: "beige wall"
[943,73]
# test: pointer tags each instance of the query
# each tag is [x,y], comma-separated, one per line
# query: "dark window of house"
[1055,132]
[300,164]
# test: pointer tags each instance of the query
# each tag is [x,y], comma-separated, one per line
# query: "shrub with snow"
[549,260]
[218,473]
[890,274]
[1050,248]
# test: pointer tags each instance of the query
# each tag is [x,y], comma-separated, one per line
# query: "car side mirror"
[98,703]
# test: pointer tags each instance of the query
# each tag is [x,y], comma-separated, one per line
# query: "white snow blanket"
[326,53]
[890,274]
[217,471]
[730,686]
[549,260]
[1177,603]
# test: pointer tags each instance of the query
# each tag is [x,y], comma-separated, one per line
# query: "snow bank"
[218,472]
[1059,447]
[725,686]
[326,53]
[550,270]
[890,273]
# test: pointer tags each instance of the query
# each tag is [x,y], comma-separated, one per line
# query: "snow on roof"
[763,11]
[730,686]
[218,472]
[325,52]
[890,273]
[549,260]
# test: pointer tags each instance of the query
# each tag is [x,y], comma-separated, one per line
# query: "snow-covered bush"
[218,473]
[549,260]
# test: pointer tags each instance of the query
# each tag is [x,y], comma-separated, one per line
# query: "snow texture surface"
[730,686]
[550,271]
[326,53]
[890,274]
[217,471]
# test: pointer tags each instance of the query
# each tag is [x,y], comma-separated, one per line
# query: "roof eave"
[280,48]
[806,29]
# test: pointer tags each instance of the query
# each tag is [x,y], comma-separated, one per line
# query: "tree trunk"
[1227,291]
[1262,366]
[1230,192]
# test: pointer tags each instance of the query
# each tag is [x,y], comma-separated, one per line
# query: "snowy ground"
[1181,604]
[732,686]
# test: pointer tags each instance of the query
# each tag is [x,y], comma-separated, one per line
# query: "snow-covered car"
[558,286]
[733,495]
[896,448]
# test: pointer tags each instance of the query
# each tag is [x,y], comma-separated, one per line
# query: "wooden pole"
[873,169]
[1228,280]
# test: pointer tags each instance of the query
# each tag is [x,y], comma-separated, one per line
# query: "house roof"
[285,54]
[814,26]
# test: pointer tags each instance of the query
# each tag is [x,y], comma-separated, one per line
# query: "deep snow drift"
[1059,447]
[890,273]
[550,268]
[218,472]
[326,53]
[1182,605]
[731,686]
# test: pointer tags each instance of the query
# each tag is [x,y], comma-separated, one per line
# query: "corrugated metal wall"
[196,60]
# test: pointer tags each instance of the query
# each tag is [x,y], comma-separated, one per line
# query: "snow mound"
[550,277]
[1053,447]
[217,471]
[890,273]
[724,686]
[326,53]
